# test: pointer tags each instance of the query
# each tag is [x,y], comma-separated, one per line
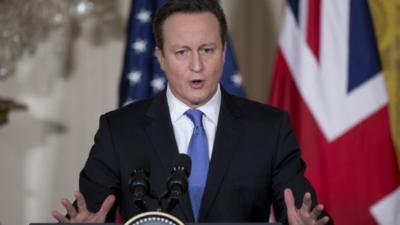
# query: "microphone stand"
[177,185]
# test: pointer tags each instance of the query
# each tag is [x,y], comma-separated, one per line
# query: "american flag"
[142,76]
[329,77]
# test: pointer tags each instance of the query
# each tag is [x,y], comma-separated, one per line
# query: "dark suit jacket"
[255,157]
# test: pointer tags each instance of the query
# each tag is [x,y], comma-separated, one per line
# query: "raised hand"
[305,215]
[83,215]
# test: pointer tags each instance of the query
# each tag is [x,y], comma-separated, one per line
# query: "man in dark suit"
[253,159]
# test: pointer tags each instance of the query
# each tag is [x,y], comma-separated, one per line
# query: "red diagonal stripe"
[313,26]
[352,172]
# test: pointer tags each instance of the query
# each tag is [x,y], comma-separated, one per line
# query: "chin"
[198,101]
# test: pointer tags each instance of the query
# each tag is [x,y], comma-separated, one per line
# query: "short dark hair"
[187,6]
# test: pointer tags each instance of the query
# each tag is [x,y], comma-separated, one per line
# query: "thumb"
[105,208]
[289,199]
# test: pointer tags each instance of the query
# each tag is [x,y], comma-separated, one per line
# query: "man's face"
[193,56]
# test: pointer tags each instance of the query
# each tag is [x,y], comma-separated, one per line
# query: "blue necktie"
[198,152]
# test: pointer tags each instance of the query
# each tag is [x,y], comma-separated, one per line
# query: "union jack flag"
[142,76]
[329,77]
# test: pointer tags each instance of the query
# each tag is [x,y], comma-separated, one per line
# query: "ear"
[160,57]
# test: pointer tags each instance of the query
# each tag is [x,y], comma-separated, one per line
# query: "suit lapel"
[228,133]
[161,133]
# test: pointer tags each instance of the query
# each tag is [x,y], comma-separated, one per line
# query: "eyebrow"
[201,46]
[208,44]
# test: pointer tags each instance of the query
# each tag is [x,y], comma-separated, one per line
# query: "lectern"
[157,224]
[158,218]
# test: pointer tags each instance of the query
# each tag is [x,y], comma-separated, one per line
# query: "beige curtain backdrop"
[67,84]
[254,26]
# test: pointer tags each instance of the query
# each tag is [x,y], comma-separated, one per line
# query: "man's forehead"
[190,16]
[180,24]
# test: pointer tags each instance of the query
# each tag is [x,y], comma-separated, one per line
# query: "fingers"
[289,199]
[83,215]
[316,211]
[69,207]
[107,204]
[307,202]
[59,217]
[105,208]
[305,215]
[71,210]
[81,202]
[324,220]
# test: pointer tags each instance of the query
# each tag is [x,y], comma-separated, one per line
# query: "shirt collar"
[211,109]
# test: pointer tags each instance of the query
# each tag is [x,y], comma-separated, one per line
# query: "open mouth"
[197,84]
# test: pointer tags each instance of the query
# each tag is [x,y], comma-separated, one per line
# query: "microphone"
[139,184]
[177,183]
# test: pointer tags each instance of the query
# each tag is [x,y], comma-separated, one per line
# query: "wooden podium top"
[185,224]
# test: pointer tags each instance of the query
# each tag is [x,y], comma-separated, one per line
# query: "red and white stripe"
[345,136]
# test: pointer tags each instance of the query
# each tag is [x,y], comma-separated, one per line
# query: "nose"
[196,64]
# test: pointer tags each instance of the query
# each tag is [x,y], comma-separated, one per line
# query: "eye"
[207,50]
[181,52]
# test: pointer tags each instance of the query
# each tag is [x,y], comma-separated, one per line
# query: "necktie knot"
[195,116]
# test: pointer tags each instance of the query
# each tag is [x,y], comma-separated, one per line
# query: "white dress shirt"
[183,126]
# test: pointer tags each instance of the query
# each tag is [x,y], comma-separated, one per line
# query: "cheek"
[175,67]
[175,76]
[216,71]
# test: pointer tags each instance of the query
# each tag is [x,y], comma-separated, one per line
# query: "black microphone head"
[139,179]
[177,182]
[143,165]
[182,162]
